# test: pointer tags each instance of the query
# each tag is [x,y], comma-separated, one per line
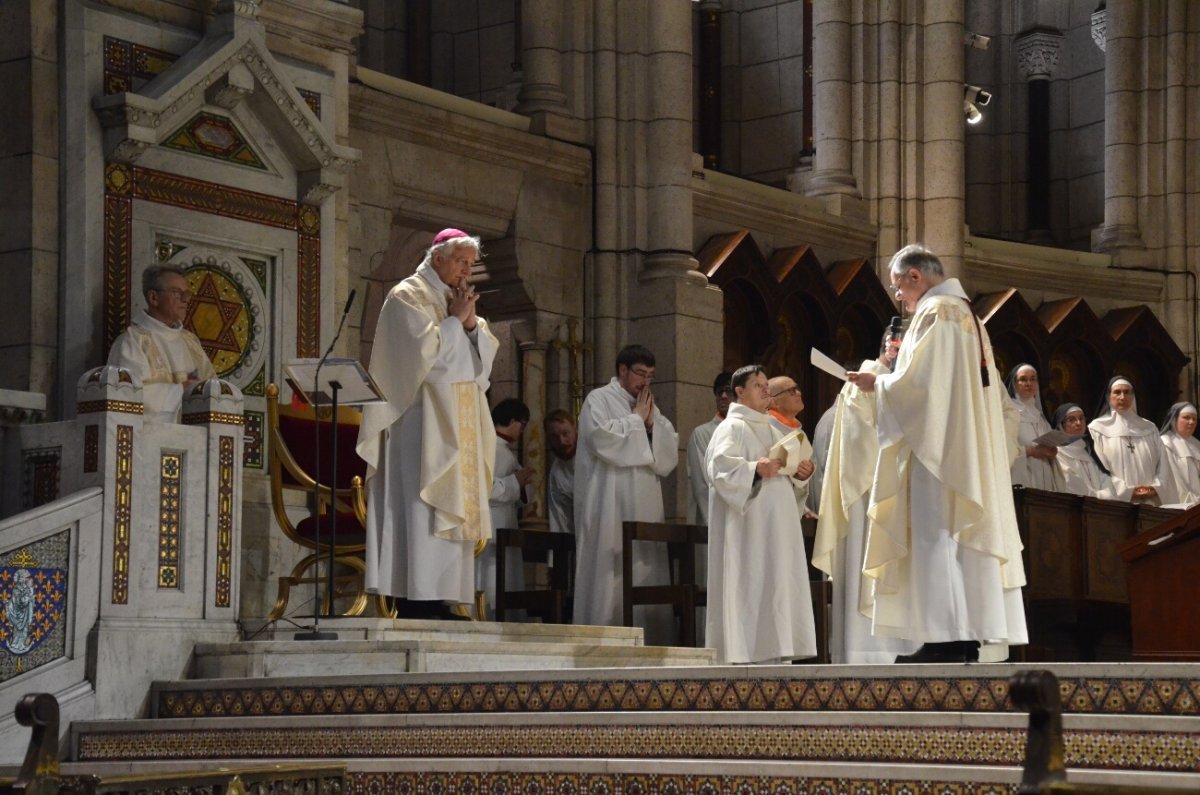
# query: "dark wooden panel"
[1164,589]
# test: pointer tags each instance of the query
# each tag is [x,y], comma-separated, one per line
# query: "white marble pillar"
[1122,68]
[832,101]
[533,393]
[942,179]
[669,143]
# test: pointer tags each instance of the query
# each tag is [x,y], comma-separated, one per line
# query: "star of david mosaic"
[219,314]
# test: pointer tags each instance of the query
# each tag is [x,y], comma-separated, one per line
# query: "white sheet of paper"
[791,450]
[823,362]
[1056,438]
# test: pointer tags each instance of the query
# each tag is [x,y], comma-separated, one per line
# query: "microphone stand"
[316,633]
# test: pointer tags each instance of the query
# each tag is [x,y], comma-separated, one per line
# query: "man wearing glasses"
[787,401]
[156,346]
[625,446]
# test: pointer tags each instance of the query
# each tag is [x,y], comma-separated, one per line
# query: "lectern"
[1161,566]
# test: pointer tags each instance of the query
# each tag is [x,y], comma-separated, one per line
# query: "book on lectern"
[354,384]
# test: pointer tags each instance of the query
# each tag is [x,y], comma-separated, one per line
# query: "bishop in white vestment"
[431,447]
[943,548]
[158,349]
[625,446]
[759,602]
[1130,448]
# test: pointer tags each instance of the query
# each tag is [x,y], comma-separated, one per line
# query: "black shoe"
[955,651]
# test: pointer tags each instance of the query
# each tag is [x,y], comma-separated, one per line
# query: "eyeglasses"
[726,392]
[792,390]
[1027,379]
[181,294]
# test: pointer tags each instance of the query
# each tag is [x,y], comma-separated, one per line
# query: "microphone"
[349,303]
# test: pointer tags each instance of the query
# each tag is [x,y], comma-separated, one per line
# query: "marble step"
[1169,689]
[671,777]
[313,659]
[1166,745]
[371,628]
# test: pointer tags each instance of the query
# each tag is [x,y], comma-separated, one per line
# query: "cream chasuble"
[430,448]
[617,471]
[165,358]
[759,602]
[842,528]
[943,545]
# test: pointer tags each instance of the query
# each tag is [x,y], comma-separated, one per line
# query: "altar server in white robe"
[1130,448]
[943,548]
[561,433]
[1079,471]
[431,447]
[842,521]
[1034,466]
[1183,453]
[787,401]
[625,446]
[509,482]
[158,349]
[759,604]
[697,504]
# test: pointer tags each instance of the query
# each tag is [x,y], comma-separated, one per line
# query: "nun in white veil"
[1034,468]
[1182,453]
[1130,448]
[1079,471]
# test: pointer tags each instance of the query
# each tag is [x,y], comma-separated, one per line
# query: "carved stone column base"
[1117,237]
[826,182]
[672,265]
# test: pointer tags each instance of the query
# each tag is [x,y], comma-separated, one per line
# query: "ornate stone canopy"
[231,66]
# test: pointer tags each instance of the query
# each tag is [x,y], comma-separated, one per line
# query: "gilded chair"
[292,437]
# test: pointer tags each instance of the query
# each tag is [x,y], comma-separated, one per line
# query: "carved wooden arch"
[1017,334]
[734,263]
[1077,365]
[1144,353]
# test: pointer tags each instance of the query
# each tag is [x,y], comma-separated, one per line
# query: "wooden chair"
[553,604]
[291,435]
[682,592]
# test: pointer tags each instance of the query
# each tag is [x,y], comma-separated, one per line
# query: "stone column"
[541,58]
[1037,58]
[942,181]
[533,393]
[832,99]
[710,82]
[669,144]
[1122,67]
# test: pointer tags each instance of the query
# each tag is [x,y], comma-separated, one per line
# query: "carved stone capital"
[1100,28]
[1037,53]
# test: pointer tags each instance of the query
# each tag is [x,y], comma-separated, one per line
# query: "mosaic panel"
[33,591]
[40,471]
[123,514]
[252,448]
[312,99]
[225,463]
[91,448]
[514,783]
[308,297]
[1099,749]
[258,268]
[258,385]
[128,66]
[222,315]
[1176,696]
[209,135]
[170,478]
[123,182]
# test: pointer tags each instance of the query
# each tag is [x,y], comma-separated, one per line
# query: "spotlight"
[976,40]
[973,98]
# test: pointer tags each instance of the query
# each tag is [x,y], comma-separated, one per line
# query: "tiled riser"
[952,745]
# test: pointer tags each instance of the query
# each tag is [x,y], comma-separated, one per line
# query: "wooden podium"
[1163,571]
